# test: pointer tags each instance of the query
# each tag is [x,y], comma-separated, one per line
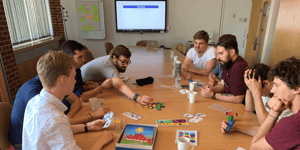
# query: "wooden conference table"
[156,62]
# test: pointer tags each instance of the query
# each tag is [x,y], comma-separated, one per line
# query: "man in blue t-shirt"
[34,86]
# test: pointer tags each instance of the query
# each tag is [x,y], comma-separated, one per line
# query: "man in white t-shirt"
[257,96]
[202,56]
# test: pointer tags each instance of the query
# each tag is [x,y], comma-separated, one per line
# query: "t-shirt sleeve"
[190,54]
[237,86]
[215,71]
[211,54]
[285,134]
[110,72]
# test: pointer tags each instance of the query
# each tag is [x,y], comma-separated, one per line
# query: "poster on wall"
[90,19]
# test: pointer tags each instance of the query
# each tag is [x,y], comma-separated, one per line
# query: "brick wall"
[7,52]
[8,56]
[57,21]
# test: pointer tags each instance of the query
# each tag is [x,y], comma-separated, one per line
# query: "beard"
[120,69]
[226,65]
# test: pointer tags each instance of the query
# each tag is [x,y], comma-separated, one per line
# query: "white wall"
[184,16]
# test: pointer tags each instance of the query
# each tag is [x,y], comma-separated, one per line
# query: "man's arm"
[249,102]
[245,129]
[119,84]
[210,65]
[230,98]
[99,113]
[259,140]
[260,109]
[76,104]
[208,93]
[185,67]
[92,93]
[219,88]
[105,138]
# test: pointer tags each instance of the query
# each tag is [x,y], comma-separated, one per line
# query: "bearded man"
[110,67]
[232,87]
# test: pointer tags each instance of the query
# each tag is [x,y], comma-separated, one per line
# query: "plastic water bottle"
[177,68]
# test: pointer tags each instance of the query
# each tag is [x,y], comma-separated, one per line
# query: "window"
[27,20]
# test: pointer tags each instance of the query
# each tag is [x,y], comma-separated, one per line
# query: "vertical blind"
[27,20]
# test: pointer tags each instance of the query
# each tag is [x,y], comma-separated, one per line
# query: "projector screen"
[140,16]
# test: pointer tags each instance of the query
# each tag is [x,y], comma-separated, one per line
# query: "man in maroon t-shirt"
[233,67]
[286,133]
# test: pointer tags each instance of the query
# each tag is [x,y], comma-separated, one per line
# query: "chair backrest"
[141,43]
[5,112]
[88,56]
[182,49]
[108,47]
[178,46]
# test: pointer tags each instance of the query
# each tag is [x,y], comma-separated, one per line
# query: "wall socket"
[242,19]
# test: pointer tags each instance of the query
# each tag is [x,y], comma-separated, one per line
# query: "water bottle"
[177,68]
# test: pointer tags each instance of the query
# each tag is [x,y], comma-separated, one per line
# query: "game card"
[220,108]
[107,124]
[132,115]
[200,115]
[187,115]
[108,117]
[195,119]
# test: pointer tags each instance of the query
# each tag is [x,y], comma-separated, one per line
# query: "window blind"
[27,20]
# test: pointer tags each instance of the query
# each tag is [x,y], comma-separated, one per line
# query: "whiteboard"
[90,17]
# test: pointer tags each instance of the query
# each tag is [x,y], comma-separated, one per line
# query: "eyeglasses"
[124,62]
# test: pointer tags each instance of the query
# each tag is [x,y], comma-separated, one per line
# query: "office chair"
[88,56]
[108,47]
[182,49]
[5,112]
[178,46]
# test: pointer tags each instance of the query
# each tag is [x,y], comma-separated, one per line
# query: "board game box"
[137,136]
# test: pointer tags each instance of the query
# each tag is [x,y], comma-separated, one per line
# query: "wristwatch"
[85,128]
[214,96]
[135,97]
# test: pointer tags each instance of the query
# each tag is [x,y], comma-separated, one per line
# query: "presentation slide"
[140,15]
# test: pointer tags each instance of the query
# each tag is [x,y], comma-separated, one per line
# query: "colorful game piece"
[231,113]
[192,135]
[230,124]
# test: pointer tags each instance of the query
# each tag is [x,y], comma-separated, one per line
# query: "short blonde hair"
[52,65]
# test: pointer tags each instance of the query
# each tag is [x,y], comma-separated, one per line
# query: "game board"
[192,135]
[138,134]
[172,122]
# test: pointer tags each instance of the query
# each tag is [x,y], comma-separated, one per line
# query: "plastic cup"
[118,121]
[192,96]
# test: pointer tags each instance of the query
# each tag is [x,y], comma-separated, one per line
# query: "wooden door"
[257,29]
[286,41]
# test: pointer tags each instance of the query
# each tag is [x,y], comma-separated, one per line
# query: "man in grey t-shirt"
[110,67]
